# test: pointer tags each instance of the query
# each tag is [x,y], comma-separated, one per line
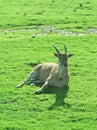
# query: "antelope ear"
[56,54]
[69,55]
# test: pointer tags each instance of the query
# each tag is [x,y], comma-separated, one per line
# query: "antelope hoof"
[18,86]
[37,92]
[32,84]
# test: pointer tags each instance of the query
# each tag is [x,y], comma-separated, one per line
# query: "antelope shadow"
[61,94]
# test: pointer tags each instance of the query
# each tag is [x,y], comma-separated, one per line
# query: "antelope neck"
[62,69]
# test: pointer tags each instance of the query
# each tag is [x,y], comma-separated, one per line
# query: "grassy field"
[27,31]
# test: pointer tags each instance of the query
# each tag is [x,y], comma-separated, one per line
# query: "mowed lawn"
[27,31]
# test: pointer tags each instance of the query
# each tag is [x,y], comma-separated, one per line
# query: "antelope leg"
[32,75]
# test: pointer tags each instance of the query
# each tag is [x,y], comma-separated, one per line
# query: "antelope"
[50,74]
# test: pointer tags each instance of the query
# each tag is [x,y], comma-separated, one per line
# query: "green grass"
[21,109]
[62,13]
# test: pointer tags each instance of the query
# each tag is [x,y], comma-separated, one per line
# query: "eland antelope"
[50,74]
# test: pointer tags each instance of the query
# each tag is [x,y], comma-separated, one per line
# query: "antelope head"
[63,59]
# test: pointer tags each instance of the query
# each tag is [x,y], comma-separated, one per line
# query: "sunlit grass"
[21,109]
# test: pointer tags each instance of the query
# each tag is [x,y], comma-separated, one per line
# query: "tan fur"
[50,70]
